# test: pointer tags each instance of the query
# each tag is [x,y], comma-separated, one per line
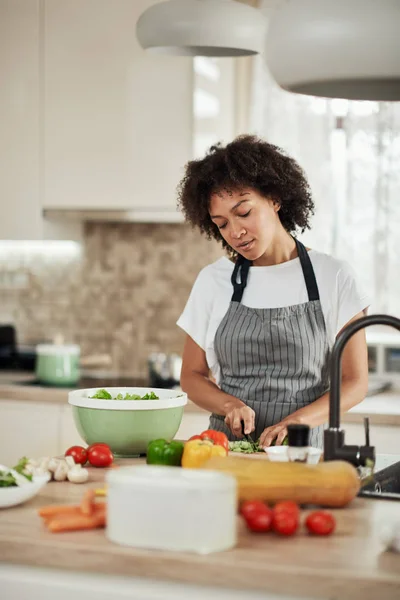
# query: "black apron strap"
[308,272]
[242,267]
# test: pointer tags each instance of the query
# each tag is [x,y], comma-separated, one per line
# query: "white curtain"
[350,152]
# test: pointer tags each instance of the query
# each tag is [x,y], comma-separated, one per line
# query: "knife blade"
[247,437]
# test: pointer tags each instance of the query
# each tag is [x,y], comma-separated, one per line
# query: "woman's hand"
[235,417]
[277,432]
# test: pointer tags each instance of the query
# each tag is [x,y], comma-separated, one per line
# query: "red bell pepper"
[216,437]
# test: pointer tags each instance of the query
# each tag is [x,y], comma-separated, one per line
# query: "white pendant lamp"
[336,48]
[202,28]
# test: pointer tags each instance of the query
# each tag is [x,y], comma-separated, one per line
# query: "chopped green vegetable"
[104,395]
[150,396]
[245,447]
[8,480]
[284,443]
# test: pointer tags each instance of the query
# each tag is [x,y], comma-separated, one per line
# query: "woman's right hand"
[235,417]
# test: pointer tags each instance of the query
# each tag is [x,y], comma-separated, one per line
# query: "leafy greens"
[104,395]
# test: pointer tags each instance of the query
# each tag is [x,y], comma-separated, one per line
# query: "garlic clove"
[61,471]
[53,464]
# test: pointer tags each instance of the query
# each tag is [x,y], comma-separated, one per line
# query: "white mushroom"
[70,462]
[61,471]
[77,474]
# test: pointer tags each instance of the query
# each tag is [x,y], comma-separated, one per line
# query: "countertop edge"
[210,570]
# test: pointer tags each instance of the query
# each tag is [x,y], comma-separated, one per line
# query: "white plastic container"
[171,508]
[280,454]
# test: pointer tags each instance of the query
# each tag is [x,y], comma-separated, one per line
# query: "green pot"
[57,365]
[127,426]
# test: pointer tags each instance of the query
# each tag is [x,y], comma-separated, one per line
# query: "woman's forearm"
[206,394]
[352,392]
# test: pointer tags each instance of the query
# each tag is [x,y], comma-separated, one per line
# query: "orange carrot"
[88,502]
[71,522]
[56,509]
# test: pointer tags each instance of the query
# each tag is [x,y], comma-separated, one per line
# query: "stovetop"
[94,382]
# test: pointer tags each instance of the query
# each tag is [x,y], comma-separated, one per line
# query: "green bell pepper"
[161,452]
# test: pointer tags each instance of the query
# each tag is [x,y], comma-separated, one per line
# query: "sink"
[385,484]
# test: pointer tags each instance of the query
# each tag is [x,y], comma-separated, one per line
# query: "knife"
[247,437]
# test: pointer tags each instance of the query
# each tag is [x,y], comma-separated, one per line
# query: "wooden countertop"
[349,565]
[383,409]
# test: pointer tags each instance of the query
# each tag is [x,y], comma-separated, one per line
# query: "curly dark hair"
[247,162]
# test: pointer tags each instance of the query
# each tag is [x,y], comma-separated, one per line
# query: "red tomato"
[320,523]
[285,522]
[78,453]
[98,444]
[258,516]
[260,521]
[288,506]
[251,507]
[100,455]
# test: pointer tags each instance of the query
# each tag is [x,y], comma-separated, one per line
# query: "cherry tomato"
[258,516]
[260,521]
[285,522]
[320,523]
[288,506]
[98,444]
[252,507]
[100,456]
[78,453]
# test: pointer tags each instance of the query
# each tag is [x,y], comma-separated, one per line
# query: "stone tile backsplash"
[121,296]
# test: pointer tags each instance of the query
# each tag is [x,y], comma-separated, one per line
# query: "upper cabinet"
[20,215]
[117,121]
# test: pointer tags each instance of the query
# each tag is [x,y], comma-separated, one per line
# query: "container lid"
[59,349]
[156,476]
[298,435]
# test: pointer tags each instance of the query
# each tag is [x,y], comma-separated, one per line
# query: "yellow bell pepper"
[197,452]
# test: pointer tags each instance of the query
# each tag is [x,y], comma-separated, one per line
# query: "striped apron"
[276,360]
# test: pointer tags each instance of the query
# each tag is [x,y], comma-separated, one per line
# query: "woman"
[264,320]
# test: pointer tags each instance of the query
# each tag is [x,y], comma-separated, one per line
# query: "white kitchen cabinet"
[20,214]
[29,429]
[69,435]
[117,120]
[192,423]
[385,438]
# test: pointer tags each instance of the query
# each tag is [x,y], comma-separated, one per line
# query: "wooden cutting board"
[255,455]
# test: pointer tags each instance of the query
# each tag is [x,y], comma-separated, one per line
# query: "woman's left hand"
[277,432]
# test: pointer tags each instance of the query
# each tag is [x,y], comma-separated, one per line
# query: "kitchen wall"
[122,294]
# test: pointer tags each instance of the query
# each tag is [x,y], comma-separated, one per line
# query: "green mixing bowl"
[127,426]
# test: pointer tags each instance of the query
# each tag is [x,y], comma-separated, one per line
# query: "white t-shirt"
[274,286]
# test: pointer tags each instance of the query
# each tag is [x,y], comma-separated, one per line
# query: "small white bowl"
[280,454]
[11,496]
[314,455]
[277,453]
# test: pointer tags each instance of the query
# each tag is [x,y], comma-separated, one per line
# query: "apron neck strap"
[242,267]
[308,271]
